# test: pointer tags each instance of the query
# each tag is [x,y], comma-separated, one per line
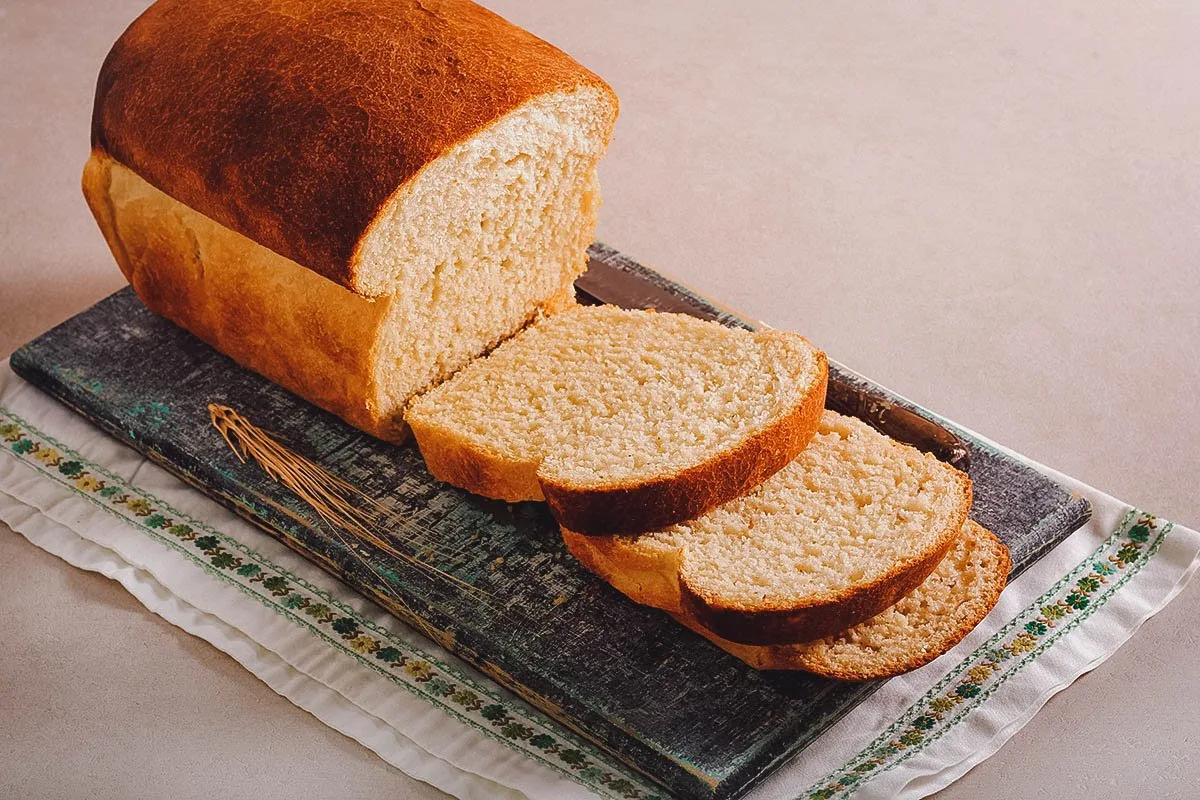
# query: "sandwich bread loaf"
[354,198]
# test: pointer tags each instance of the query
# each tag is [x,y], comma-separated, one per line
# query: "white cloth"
[83,496]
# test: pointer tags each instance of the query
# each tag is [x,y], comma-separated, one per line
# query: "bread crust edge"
[161,261]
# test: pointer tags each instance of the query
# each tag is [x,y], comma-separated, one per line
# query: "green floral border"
[332,620]
[1065,606]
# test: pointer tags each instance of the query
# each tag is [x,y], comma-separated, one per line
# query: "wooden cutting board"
[644,689]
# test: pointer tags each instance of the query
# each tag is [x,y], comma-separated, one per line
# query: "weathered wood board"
[646,690]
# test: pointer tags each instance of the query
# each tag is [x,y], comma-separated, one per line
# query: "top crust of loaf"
[294,122]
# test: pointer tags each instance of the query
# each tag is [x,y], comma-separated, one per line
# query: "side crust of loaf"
[652,505]
[297,124]
[654,576]
[287,323]
[817,656]
[481,470]
[649,576]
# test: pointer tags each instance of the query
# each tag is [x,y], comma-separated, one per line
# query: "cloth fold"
[81,495]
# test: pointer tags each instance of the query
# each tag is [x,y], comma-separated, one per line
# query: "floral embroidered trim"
[1053,615]
[474,703]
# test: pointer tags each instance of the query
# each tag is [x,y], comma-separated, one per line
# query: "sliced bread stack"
[837,564]
[692,467]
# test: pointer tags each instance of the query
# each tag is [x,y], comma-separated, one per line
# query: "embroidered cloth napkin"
[81,495]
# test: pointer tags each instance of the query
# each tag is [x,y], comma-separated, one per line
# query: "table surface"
[993,208]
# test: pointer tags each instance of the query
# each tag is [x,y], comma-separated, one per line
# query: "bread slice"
[624,421]
[916,630]
[853,524]
[353,204]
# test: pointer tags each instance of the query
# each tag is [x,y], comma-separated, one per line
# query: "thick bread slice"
[624,421]
[910,634]
[354,198]
[853,524]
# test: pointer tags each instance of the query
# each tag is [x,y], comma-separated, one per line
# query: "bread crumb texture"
[851,507]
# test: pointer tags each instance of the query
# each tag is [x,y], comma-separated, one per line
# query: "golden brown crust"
[293,122]
[657,577]
[269,314]
[648,577]
[481,471]
[240,297]
[653,505]
[811,657]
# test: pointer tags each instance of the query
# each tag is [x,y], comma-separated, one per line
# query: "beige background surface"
[992,207]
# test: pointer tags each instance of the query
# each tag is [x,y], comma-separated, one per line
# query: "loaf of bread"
[916,630]
[856,522]
[360,199]
[354,198]
[624,421]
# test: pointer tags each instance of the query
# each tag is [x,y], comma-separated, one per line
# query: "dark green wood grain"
[646,690]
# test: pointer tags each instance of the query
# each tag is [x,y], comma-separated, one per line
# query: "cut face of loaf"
[916,630]
[353,204]
[853,524]
[624,420]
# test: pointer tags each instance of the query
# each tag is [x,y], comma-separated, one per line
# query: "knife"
[615,279]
